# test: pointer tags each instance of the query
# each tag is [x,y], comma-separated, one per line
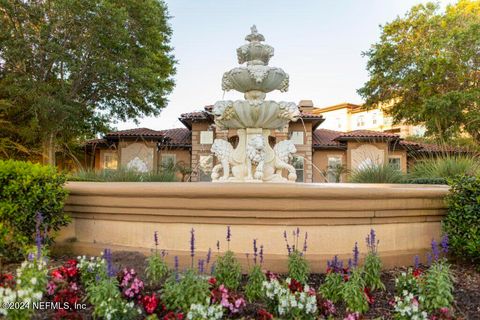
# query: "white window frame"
[360,121]
[206,137]
[300,178]
[330,161]
[165,156]
[114,156]
[399,161]
[297,137]
[374,118]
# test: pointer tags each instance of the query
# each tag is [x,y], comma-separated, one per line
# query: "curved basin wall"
[124,216]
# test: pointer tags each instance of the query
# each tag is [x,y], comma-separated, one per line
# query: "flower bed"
[127,285]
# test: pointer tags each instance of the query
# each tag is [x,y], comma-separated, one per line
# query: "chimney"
[305,106]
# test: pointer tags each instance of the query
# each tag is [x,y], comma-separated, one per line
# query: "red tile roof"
[324,138]
[177,137]
[137,132]
[367,134]
[432,148]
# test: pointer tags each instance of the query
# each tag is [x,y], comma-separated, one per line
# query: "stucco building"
[323,154]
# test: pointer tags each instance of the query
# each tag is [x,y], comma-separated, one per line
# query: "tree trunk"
[48,152]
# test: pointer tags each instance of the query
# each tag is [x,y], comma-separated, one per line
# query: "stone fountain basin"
[254,114]
[255,77]
[124,216]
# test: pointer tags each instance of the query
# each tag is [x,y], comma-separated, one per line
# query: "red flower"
[57,274]
[150,303]
[263,314]
[417,273]
[295,286]
[271,276]
[7,280]
[368,295]
[173,316]
[212,281]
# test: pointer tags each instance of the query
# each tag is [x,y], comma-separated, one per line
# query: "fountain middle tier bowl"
[254,114]
[255,78]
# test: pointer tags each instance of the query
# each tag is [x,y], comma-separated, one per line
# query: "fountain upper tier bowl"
[255,78]
[254,114]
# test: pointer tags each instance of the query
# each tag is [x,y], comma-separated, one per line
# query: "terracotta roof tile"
[325,138]
[368,134]
[135,133]
[177,136]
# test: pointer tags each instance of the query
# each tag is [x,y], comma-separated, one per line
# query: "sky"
[319,43]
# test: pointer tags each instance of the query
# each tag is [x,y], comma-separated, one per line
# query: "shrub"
[377,173]
[331,289]
[437,286]
[353,292]
[463,218]
[122,175]
[445,167]
[298,268]
[228,270]
[156,269]
[253,289]
[373,264]
[25,190]
[181,293]
[427,181]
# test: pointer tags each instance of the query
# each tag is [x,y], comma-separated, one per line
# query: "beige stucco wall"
[320,161]
[123,216]
[145,151]
[181,155]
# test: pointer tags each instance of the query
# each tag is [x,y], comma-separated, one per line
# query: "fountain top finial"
[254,36]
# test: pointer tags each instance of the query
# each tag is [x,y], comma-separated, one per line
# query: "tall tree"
[426,69]
[69,67]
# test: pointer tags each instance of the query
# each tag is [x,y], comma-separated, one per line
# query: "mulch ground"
[467,289]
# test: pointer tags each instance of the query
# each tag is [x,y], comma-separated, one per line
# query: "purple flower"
[286,241]
[435,251]
[429,258]
[335,264]
[305,243]
[416,261]
[201,266]
[255,250]
[155,238]
[38,234]
[261,254]
[350,263]
[229,236]
[176,267]
[372,242]
[212,269]
[356,253]
[192,243]
[209,255]
[107,255]
[444,243]
[218,245]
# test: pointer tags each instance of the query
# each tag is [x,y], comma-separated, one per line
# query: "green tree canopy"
[426,69]
[70,67]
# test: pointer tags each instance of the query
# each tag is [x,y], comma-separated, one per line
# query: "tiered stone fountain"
[255,119]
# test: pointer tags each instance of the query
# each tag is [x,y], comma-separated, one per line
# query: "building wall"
[360,153]
[304,150]
[320,163]
[143,150]
[198,149]
[181,155]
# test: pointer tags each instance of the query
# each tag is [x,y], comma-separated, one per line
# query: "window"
[360,121]
[206,137]
[296,137]
[339,123]
[334,169]
[206,166]
[110,160]
[395,162]
[374,118]
[297,163]
[168,161]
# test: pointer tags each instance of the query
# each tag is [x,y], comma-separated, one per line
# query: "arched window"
[298,164]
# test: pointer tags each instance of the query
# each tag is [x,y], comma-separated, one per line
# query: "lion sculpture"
[284,151]
[255,156]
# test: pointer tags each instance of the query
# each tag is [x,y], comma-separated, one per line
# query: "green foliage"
[462,223]
[91,270]
[156,269]
[332,288]
[406,281]
[253,289]
[425,66]
[377,173]
[25,190]
[437,286]
[427,181]
[84,63]
[108,302]
[298,267]
[445,167]
[122,175]
[228,270]
[189,289]
[371,272]
[353,294]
